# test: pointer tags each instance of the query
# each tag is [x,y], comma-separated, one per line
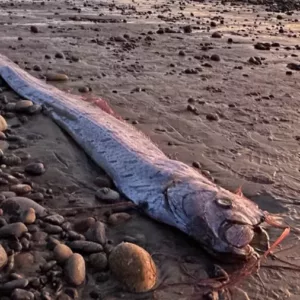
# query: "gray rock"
[97,233]
[52,229]
[14,284]
[35,169]
[55,219]
[26,203]
[13,230]
[98,261]
[85,246]
[75,270]
[19,294]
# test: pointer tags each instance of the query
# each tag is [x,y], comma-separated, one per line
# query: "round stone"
[62,253]
[75,269]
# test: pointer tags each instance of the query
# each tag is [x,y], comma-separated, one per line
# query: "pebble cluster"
[43,254]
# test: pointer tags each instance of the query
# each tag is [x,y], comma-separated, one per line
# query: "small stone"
[3,257]
[84,246]
[84,224]
[75,236]
[54,219]
[13,230]
[196,165]
[23,105]
[75,270]
[98,261]
[56,77]
[133,266]
[59,55]
[52,243]
[34,29]
[20,294]
[262,46]
[117,218]
[37,68]
[107,194]
[35,169]
[21,189]
[3,124]
[212,117]
[83,89]
[293,66]
[217,35]
[62,253]
[38,197]
[96,233]
[103,181]
[28,217]
[181,53]
[52,229]
[14,284]
[215,57]
[187,29]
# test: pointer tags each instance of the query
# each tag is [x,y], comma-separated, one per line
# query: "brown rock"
[117,218]
[75,270]
[3,257]
[3,124]
[62,253]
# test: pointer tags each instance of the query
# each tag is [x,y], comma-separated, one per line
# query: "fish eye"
[224,202]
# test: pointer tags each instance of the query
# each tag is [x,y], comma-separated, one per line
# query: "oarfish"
[169,191]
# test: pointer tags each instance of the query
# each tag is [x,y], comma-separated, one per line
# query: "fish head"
[223,222]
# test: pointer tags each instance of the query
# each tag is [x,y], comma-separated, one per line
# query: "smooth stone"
[85,246]
[52,229]
[75,270]
[19,294]
[28,217]
[107,194]
[3,257]
[84,224]
[13,230]
[21,189]
[117,218]
[133,266]
[97,233]
[54,219]
[8,194]
[3,124]
[14,284]
[98,261]
[62,253]
[22,105]
[56,77]
[35,169]
[26,203]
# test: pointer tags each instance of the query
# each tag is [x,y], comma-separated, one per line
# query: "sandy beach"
[214,84]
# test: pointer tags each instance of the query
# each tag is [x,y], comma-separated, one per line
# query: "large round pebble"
[62,253]
[133,266]
[75,269]
[35,169]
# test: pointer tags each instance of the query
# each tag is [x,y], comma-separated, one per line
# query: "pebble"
[133,266]
[34,29]
[38,197]
[103,181]
[59,55]
[187,29]
[217,35]
[3,124]
[107,194]
[26,203]
[13,230]
[52,243]
[23,105]
[98,261]
[56,77]
[96,233]
[262,46]
[215,57]
[75,270]
[293,66]
[14,284]
[74,236]
[35,169]
[37,68]
[52,229]
[62,253]
[21,189]
[3,257]
[28,217]
[117,218]
[84,224]
[212,117]
[83,89]
[20,294]
[8,194]
[85,246]
[54,219]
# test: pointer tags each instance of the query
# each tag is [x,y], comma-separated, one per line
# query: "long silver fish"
[168,190]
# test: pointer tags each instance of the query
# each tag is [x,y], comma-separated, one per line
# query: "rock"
[62,253]
[13,230]
[103,181]
[187,29]
[3,257]
[75,270]
[34,29]
[212,117]
[35,169]
[84,246]
[59,55]
[107,194]
[54,219]
[215,57]
[74,236]
[83,89]
[26,203]
[217,35]
[56,77]
[52,243]
[133,266]
[8,194]
[21,189]
[96,233]
[37,197]
[52,229]
[28,217]
[262,46]
[117,218]
[23,105]
[19,294]
[37,68]
[293,66]
[98,261]
[84,224]
[14,284]
[3,124]
[181,53]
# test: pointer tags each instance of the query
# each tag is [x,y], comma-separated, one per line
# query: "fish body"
[169,191]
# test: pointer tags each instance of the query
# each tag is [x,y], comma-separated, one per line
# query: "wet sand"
[197,97]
